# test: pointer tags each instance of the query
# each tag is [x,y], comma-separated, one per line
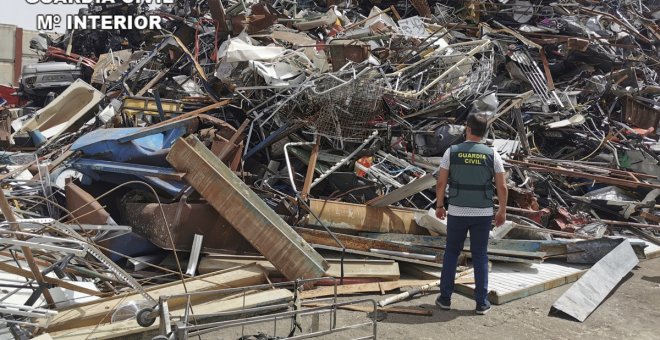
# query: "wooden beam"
[214,305]
[152,82]
[311,166]
[100,311]
[362,218]
[246,211]
[353,268]
[376,287]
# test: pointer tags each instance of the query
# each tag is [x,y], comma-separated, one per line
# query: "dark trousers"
[457,229]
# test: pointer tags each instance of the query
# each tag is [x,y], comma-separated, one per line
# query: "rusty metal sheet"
[341,54]
[357,217]
[639,114]
[84,207]
[185,220]
[245,211]
[366,244]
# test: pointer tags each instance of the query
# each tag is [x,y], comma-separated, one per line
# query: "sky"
[24,15]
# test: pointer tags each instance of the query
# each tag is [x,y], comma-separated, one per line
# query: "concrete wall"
[7,55]
[8,45]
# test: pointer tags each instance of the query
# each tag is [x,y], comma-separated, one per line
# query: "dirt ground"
[632,311]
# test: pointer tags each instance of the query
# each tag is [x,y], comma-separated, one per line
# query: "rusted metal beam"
[362,218]
[229,146]
[577,174]
[245,211]
[546,69]
[365,244]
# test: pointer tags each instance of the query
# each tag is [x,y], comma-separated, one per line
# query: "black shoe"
[443,303]
[483,309]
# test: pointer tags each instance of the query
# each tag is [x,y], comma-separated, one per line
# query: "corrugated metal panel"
[7,73]
[7,42]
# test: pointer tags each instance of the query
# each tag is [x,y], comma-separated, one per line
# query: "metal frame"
[180,327]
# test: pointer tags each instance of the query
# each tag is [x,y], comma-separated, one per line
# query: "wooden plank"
[362,218]
[100,311]
[414,187]
[381,269]
[374,287]
[246,211]
[370,309]
[512,281]
[129,327]
[384,270]
[311,166]
[588,292]
[152,82]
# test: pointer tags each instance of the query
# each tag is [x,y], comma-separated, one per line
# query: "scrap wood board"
[131,327]
[512,281]
[100,311]
[387,270]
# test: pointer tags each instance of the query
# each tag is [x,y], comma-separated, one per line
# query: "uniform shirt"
[455,210]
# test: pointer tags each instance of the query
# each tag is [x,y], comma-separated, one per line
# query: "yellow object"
[137,105]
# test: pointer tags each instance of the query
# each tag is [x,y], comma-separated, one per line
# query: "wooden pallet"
[512,281]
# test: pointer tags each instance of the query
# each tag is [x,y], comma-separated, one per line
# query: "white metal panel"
[7,42]
[7,73]
[511,281]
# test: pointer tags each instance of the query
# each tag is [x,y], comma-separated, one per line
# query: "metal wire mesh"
[446,15]
[451,76]
[348,105]
[344,106]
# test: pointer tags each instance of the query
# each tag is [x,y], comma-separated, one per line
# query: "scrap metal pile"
[251,142]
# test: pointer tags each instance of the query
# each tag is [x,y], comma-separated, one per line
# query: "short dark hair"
[478,123]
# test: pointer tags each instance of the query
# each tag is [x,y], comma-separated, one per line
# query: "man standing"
[469,168]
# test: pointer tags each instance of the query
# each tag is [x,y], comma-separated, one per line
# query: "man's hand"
[500,217]
[441,213]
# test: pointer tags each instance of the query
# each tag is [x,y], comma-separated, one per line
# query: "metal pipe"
[423,257]
[288,161]
[344,160]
